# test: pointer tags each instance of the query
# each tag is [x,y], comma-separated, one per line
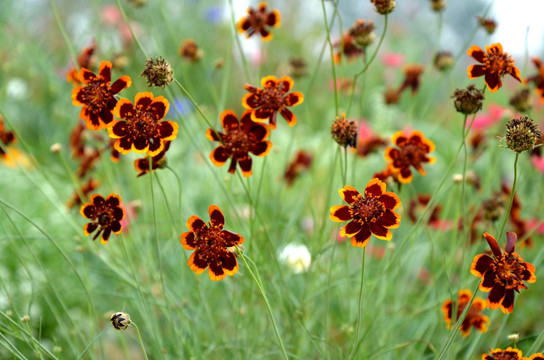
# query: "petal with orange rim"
[215,271]
[212,135]
[86,76]
[390,154]
[266,35]
[229,263]
[375,188]
[464,296]
[156,146]
[188,240]
[87,210]
[89,228]
[168,130]
[262,114]
[507,304]
[219,156]
[105,235]
[493,81]
[493,244]
[288,116]
[389,220]
[478,304]
[362,237]
[257,132]
[245,166]
[340,213]
[398,138]
[216,216]
[77,96]
[528,274]
[294,98]
[124,109]
[140,145]
[262,148]
[488,281]
[159,107]
[349,194]
[251,101]
[285,83]
[514,71]
[390,200]
[116,227]
[195,224]
[475,71]
[231,239]
[243,24]
[197,264]
[495,297]
[476,53]
[143,100]
[480,265]
[229,120]
[352,228]
[405,175]
[104,70]
[123,145]
[380,232]
[274,18]
[122,83]
[269,81]
[495,46]
[117,129]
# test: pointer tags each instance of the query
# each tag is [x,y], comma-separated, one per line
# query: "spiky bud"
[362,33]
[344,131]
[468,101]
[157,72]
[522,134]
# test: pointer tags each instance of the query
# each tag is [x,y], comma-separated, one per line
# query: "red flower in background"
[257,22]
[494,65]
[105,215]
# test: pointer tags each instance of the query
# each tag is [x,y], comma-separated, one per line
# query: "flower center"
[143,124]
[505,356]
[272,97]
[412,154]
[95,95]
[368,210]
[210,242]
[237,141]
[509,271]
[498,63]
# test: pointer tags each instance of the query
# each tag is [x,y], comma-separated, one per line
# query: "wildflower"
[302,162]
[438,5]
[513,338]
[468,101]
[239,139]
[370,213]
[297,257]
[87,161]
[157,72]
[84,60]
[7,138]
[521,100]
[391,96]
[416,206]
[120,320]
[538,79]
[141,128]
[190,50]
[257,22]
[503,273]
[96,95]
[412,151]
[298,67]
[87,188]
[273,97]
[157,162]
[443,60]
[105,215]
[25,319]
[77,141]
[412,74]
[488,24]
[210,243]
[495,64]
[508,354]
[493,209]
[384,7]
[537,356]
[522,134]
[474,318]
[347,47]
[344,131]
[362,33]
[55,148]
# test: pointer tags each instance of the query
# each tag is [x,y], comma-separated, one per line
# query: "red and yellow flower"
[495,64]
[412,151]
[142,128]
[158,161]
[503,273]
[474,318]
[240,138]
[274,97]
[84,60]
[105,215]
[97,96]
[538,78]
[211,242]
[508,354]
[257,22]
[370,213]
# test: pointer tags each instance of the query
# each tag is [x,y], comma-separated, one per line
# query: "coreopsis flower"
[508,354]
[384,7]
[105,215]
[240,138]
[372,212]
[157,72]
[7,137]
[141,128]
[347,48]
[120,320]
[522,134]
[411,151]
[474,318]
[488,24]
[157,162]
[362,32]
[96,95]
[537,356]
[302,162]
[469,100]
[494,65]
[190,50]
[88,187]
[84,60]
[211,242]
[443,60]
[503,273]
[257,21]
[538,78]
[344,131]
[273,97]
[412,74]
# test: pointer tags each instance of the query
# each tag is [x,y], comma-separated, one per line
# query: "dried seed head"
[521,100]
[391,96]
[468,101]
[522,134]
[120,320]
[384,7]
[362,33]
[488,24]
[344,131]
[190,50]
[157,72]
[438,5]
[493,209]
[443,60]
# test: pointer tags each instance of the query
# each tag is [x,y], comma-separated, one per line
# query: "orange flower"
[258,20]
[96,95]
[412,151]
[538,79]
[370,213]
[537,356]
[6,138]
[508,354]
[273,97]
[300,163]
[84,60]
[474,318]
[211,244]
[141,128]
[157,162]
[239,139]
[106,216]
[503,273]
[495,64]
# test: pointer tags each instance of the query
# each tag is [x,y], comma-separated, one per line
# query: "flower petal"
[340,213]
[507,304]
[375,188]
[493,245]
[188,240]
[197,264]
[362,237]
[480,265]
[476,53]
[389,220]
[219,156]
[216,216]
[495,296]
[493,81]
[390,200]
[351,228]
[195,224]
[475,71]
[229,120]
[349,194]
[380,232]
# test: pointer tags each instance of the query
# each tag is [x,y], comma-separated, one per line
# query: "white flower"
[297,257]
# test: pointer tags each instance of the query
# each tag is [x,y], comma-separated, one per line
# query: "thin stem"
[140,339]
[360,309]
[242,55]
[134,37]
[91,343]
[186,93]
[332,56]
[365,68]
[511,200]
[71,50]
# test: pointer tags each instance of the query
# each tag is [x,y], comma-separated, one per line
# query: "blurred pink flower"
[538,163]
[111,16]
[130,210]
[536,224]
[393,59]
[485,120]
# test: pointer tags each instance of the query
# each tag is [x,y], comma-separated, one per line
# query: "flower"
[210,243]
[141,129]
[384,7]
[96,95]
[362,32]
[508,354]
[370,213]
[367,141]
[488,24]
[412,151]
[412,74]
[157,72]
[297,257]
[300,163]
[503,273]
[537,356]
[538,79]
[443,60]
[347,47]
[157,162]
[495,64]
[420,202]
[468,101]
[106,216]
[474,318]
[190,50]
[7,137]
[257,21]
[522,134]
[239,139]
[84,60]
[521,100]
[85,190]
[273,97]
[120,320]
[344,131]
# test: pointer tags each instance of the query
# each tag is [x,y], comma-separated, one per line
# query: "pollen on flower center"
[368,209]
[412,154]
[273,97]
[237,141]
[508,270]
[96,94]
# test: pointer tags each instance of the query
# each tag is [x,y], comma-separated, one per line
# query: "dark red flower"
[273,97]
[370,213]
[257,22]
[508,354]
[141,129]
[495,64]
[538,78]
[239,139]
[416,206]
[503,273]
[105,215]
[300,163]
[157,162]
[474,318]
[84,191]
[97,96]
[6,137]
[537,356]
[211,242]
[412,74]
[84,60]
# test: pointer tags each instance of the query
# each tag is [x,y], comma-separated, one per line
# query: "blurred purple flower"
[182,107]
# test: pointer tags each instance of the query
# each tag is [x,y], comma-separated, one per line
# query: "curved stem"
[134,37]
[365,68]
[140,339]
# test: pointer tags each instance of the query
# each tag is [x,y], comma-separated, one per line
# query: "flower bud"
[120,320]
[158,72]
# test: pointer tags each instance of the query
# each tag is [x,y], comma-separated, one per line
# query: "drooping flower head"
[7,137]
[488,24]
[411,151]
[211,242]
[257,22]
[158,161]
[84,60]
[495,64]
[412,74]
[299,164]
[474,318]
[538,78]
[120,320]
[508,354]
[240,138]
[503,273]
[468,101]
[274,96]
[141,128]
[97,96]
[190,50]
[372,212]
[105,215]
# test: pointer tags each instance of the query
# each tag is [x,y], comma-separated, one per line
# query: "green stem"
[186,93]
[336,106]
[365,68]
[140,339]
[360,309]
[134,37]
[511,200]
[238,43]
[71,50]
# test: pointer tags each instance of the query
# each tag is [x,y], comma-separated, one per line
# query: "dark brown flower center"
[272,97]
[505,355]
[237,141]
[367,210]
[210,242]
[95,95]
[412,154]
[143,124]
[497,62]
[508,271]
